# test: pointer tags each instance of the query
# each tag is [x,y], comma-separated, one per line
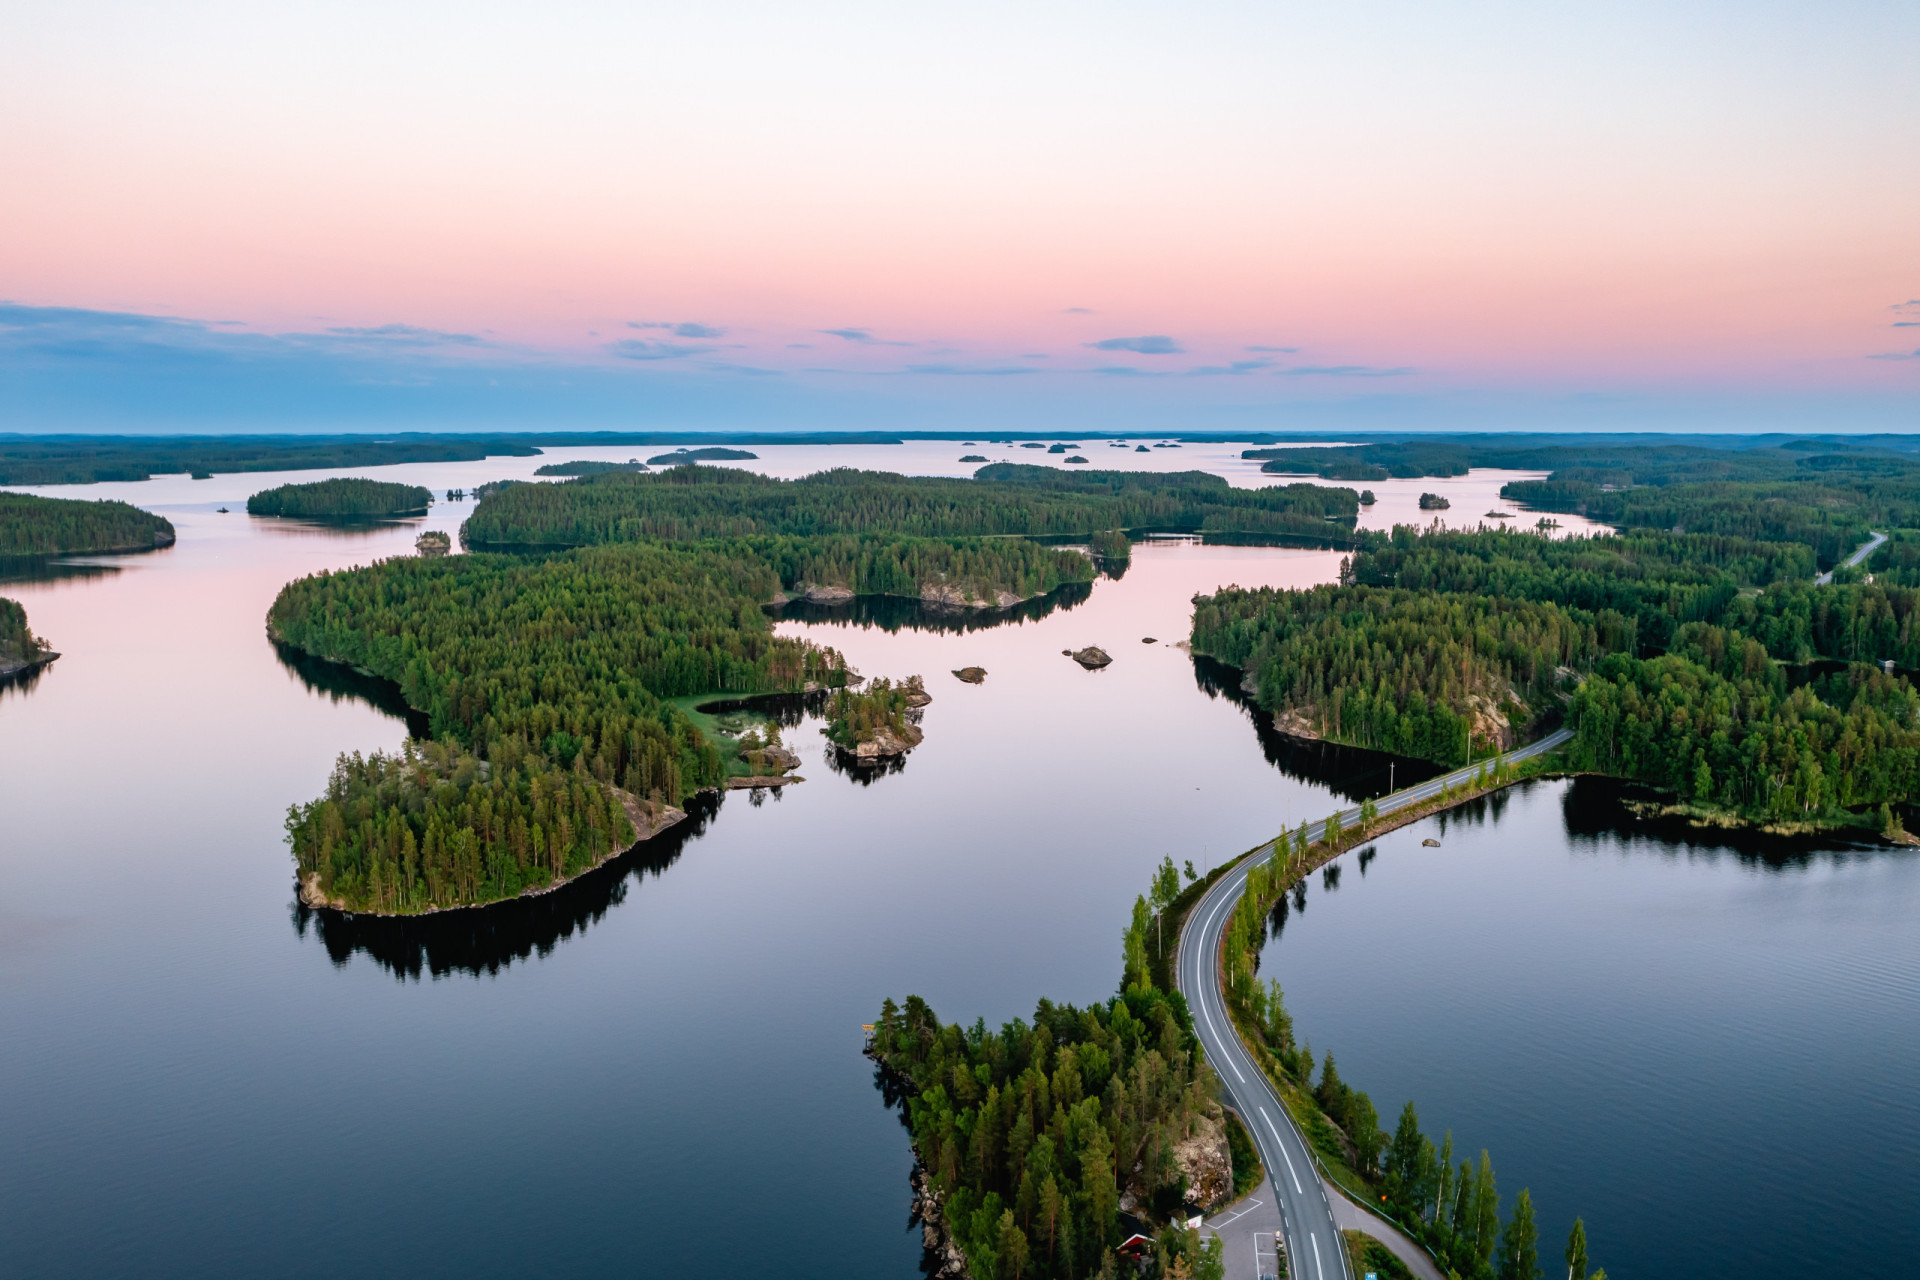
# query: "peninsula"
[36,526]
[20,650]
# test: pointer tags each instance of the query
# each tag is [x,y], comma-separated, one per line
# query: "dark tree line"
[1417,673]
[35,526]
[345,497]
[700,502]
[1689,644]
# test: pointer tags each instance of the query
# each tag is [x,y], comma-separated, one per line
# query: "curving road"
[1314,1246]
[1867,548]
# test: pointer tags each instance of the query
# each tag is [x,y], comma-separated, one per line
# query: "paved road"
[1867,548]
[1313,1240]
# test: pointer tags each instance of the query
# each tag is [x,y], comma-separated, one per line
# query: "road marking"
[1207,1012]
[1297,1188]
[1318,1270]
[1218,1223]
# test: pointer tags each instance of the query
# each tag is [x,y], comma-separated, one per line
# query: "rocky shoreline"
[12,667]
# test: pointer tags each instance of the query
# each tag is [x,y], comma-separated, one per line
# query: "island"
[433,542]
[874,724]
[713,453]
[1434,502]
[36,526]
[971,675]
[973,457]
[342,499]
[588,468]
[20,650]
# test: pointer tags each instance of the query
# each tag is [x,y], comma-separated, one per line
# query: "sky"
[1092,216]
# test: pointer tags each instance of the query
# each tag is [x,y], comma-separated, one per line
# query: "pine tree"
[1577,1251]
[1520,1242]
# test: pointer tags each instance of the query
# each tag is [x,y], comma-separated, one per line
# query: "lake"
[658,1069]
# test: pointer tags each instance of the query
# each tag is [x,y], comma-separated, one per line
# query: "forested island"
[876,722]
[562,666]
[583,468]
[20,649]
[1709,665]
[35,526]
[564,659]
[712,453]
[346,498]
[1003,498]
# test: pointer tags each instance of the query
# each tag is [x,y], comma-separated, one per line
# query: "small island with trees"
[712,453]
[346,498]
[588,468]
[878,722]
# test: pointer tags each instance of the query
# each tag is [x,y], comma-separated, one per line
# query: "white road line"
[1318,1270]
[1297,1188]
[1205,1011]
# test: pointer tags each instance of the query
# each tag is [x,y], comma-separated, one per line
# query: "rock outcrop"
[944,1261]
[972,675]
[1206,1161]
[886,743]
[1093,657]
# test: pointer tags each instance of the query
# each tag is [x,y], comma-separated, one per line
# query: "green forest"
[1026,1133]
[343,498]
[570,660]
[71,459]
[1004,498]
[1420,673]
[577,468]
[438,826]
[19,647]
[855,716]
[955,570]
[35,526]
[566,662]
[1710,664]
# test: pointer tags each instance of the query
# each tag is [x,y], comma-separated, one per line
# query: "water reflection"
[486,940]
[343,526]
[862,772]
[52,569]
[1626,816]
[1353,773]
[22,682]
[898,613]
[338,682]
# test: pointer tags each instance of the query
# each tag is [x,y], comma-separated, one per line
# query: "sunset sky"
[1073,216]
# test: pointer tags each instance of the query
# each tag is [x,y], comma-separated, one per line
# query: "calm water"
[1706,1047]
[658,1071]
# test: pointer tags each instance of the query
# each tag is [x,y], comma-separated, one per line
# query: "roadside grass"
[1247,1171]
[1370,1256]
